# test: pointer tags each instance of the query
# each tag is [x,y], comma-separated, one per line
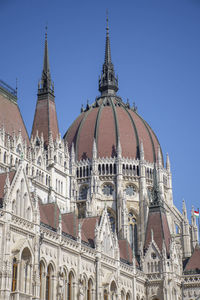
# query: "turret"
[186,233]
[194,230]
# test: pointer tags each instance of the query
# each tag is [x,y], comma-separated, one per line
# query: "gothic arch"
[25,271]
[71,280]
[49,282]
[112,217]
[133,230]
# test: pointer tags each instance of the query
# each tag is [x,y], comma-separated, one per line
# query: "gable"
[20,196]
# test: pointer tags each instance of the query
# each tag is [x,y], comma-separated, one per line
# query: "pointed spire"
[168,163]
[159,159]
[184,210]
[72,153]
[108,83]
[156,198]
[119,148]
[46,84]
[141,150]
[94,150]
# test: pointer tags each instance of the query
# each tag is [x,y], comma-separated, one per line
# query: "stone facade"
[95,228]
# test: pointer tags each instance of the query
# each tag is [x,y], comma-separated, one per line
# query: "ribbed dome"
[108,121]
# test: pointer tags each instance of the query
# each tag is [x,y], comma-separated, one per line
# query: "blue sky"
[155,48]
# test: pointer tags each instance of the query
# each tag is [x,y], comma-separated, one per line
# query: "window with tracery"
[83,192]
[130,190]
[132,231]
[105,295]
[112,220]
[70,287]
[49,283]
[14,275]
[89,291]
[107,189]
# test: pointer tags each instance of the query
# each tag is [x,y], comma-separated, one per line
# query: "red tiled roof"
[69,224]
[106,123]
[88,229]
[157,221]
[49,214]
[10,117]
[125,251]
[3,179]
[194,261]
[45,119]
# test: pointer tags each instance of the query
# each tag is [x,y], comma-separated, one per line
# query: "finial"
[46,29]
[107,26]
[16,85]
[46,84]
[108,82]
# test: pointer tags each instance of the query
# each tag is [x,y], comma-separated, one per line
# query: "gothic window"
[65,285]
[25,271]
[83,192]
[27,169]
[70,287]
[132,231]
[105,295]
[4,158]
[14,275]
[128,296]
[107,189]
[42,268]
[113,290]
[49,282]
[89,291]
[19,149]
[112,220]
[130,190]
[39,161]
[122,295]
[177,229]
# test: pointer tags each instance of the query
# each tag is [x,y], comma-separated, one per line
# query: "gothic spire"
[108,83]
[46,85]
[156,198]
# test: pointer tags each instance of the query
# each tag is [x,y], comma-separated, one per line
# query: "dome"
[111,122]
[108,121]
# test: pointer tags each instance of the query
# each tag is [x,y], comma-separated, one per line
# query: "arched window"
[112,219]
[49,283]
[122,295]
[14,207]
[19,149]
[83,192]
[14,275]
[89,291]
[42,270]
[113,290]
[26,271]
[128,296]
[65,285]
[39,161]
[4,158]
[70,286]
[105,295]
[132,231]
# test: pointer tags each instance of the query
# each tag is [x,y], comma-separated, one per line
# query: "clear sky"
[155,47]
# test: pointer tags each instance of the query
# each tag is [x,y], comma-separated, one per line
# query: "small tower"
[45,119]
[186,233]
